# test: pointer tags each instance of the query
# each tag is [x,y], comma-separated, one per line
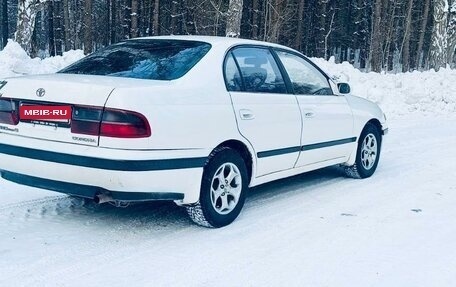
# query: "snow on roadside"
[427,92]
[14,61]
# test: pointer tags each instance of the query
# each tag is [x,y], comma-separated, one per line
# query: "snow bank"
[14,61]
[427,92]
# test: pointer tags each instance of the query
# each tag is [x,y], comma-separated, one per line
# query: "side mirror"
[344,88]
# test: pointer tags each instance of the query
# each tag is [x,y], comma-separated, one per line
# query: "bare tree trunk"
[51,28]
[190,25]
[66,20]
[424,23]
[438,53]
[77,23]
[113,21]
[452,33]
[328,34]
[376,39]
[361,31]
[173,17]
[26,15]
[217,12]
[406,41]
[134,19]
[88,27]
[322,28]
[255,26]
[266,20]
[5,32]
[233,19]
[298,40]
[126,20]
[58,27]
[276,20]
[142,16]
[150,18]
[55,28]
[156,17]
[391,14]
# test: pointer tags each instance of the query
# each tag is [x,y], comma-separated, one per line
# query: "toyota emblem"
[40,92]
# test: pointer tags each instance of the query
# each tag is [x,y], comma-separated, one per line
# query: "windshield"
[142,59]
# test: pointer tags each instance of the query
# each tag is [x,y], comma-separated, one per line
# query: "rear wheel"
[223,188]
[368,153]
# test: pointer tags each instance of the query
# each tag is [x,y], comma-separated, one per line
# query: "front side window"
[259,71]
[304,77]
[142,59]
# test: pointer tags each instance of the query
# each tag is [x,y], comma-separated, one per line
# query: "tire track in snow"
[33,202]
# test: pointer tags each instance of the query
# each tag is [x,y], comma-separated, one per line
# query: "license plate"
[47,115]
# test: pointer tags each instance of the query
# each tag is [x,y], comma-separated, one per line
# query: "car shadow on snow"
[163,214]
[294,185]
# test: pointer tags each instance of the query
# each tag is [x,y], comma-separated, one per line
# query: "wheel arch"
[378,125]
[244,151]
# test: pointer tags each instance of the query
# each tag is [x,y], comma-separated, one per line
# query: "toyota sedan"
[195,120]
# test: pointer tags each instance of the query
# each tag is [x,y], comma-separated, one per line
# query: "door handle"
[309,114]
[246,114]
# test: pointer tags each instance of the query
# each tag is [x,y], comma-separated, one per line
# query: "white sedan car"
[195,120]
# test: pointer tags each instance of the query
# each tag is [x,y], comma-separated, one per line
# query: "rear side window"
[142,59]
[259,71]
[232,76]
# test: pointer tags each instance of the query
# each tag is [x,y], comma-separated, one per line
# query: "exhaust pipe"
[102,198]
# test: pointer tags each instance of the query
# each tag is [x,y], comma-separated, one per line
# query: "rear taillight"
[124,124]
[109,122]
[9,111]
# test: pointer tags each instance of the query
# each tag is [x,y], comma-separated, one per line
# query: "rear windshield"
[142,59]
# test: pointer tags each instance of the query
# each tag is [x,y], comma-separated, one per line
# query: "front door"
[327,133]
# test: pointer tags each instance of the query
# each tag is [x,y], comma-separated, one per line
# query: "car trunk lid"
[52,90]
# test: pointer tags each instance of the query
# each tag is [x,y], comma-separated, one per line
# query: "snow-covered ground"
[396,228]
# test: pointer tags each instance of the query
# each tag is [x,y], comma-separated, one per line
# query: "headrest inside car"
[256,61]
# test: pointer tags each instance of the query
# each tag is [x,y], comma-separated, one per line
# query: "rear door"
[267,116]
[327,118]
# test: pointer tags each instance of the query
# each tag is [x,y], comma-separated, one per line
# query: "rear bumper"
[127,175]
[87,191]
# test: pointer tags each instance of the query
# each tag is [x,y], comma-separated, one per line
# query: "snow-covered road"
[397,228]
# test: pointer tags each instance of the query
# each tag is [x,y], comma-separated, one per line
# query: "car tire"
[223,189]
[367,153]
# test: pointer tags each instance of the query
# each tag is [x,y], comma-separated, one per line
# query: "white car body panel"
[326,120]
[59,89]
[269,114]
[113,180]
[189,118]
[364,111]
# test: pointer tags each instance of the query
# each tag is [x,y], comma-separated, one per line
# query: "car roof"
[215,40]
